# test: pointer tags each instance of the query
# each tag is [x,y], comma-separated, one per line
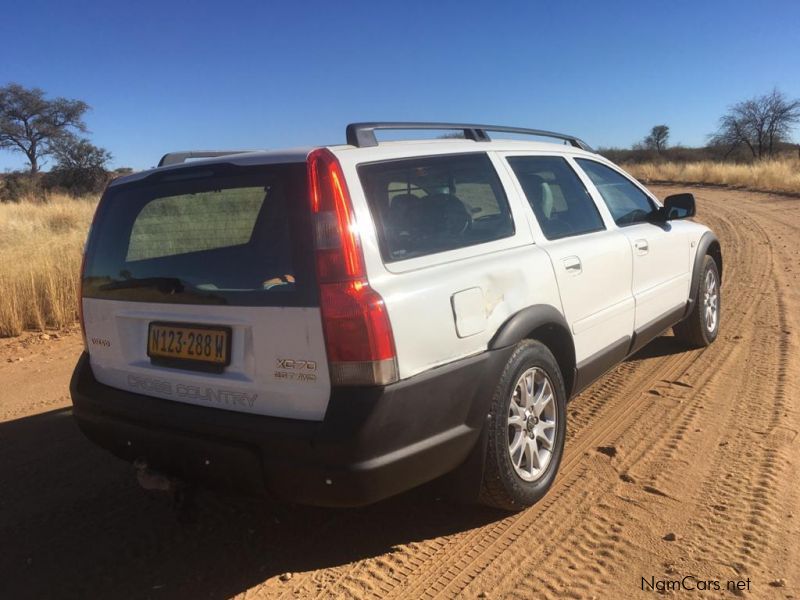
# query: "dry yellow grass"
[779,175]
[41,243]
[40,256]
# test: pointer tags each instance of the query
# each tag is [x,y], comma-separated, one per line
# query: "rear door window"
[431,204]
[559,200]
[221,235]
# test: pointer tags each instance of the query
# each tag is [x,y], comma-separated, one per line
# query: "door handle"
[572,264]
[642,247]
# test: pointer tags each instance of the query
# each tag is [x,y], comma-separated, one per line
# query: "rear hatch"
[199,286]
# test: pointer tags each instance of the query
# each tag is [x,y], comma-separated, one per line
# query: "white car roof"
[383,151]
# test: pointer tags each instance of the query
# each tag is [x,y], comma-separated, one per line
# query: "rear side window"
[432,204]
[558,198]
[216,235]
[626,202]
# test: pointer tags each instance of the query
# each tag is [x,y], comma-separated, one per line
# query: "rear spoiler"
[176,158]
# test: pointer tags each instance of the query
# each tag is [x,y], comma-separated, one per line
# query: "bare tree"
[657,140]
[32,124]
[759,124]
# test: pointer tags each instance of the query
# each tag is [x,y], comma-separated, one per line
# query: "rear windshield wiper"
[166,285]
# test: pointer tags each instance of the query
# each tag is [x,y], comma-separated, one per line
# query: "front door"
[661,251]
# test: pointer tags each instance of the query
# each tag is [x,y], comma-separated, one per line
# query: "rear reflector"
[368,372]
[358,334]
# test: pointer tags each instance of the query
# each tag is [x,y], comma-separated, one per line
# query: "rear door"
[660,250]
[592,263]
[445,252]
[199,287]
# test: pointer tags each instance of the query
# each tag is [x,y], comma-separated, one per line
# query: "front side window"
[558,198]
[626,202]
[432,204]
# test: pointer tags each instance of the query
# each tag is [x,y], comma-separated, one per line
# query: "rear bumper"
[373,442]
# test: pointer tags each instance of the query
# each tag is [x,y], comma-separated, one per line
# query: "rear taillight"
[358,334]
[80,301]
[81,318]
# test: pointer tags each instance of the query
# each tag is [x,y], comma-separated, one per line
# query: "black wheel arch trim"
[708,245]
[545,323]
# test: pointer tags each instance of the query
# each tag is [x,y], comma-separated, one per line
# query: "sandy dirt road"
[701,444]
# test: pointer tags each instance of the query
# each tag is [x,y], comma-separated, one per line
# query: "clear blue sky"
[192,74]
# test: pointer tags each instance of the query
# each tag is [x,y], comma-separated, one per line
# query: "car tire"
[701,326]
[526,429]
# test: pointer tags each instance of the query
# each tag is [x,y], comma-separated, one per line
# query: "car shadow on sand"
[74,523]
[664,345]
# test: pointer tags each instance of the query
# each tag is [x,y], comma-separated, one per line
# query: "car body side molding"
[649,331]
[592,368]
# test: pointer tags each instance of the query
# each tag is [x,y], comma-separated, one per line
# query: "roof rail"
[176,158]
[362,135]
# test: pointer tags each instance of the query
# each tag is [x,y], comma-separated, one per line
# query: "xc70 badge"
[292,369]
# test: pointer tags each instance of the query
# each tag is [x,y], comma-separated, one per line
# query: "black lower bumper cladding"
[373,442]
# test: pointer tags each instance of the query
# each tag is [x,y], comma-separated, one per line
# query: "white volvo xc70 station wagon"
[335,325]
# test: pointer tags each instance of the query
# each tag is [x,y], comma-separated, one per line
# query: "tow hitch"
[153,480]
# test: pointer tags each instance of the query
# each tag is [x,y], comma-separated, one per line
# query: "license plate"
[190,346]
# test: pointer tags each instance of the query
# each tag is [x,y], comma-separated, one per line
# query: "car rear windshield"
[431,204]
[219,235]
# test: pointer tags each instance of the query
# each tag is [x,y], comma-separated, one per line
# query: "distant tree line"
[754,129]
[42,129]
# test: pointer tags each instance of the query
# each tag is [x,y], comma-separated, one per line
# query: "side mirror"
[678,206]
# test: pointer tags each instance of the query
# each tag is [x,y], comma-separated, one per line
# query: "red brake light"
[81,318]
[358,334]
[356,322]
[80,302]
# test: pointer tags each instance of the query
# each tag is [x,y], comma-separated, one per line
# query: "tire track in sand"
[592,538]
[436,569]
